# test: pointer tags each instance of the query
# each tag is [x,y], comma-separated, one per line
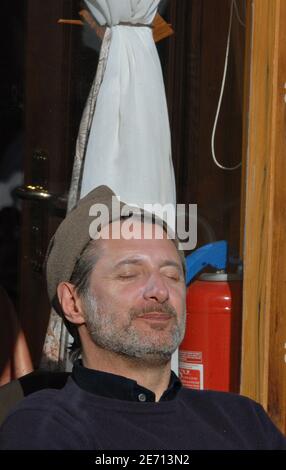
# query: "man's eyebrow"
[138,261]
[134,260]
[170,262]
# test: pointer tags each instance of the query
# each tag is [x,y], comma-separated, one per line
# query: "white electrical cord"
[233,5]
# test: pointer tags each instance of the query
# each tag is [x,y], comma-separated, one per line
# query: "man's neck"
[154,377]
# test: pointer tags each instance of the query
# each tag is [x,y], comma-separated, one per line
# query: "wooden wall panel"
[277,333]
[264,305]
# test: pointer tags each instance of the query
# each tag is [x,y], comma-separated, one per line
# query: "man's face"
[136,302]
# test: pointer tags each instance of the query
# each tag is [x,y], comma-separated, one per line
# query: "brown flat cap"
[74,233]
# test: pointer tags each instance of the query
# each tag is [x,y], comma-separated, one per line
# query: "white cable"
[221,96]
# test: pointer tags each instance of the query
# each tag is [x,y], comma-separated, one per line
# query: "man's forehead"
[138,247]
[145,242]
[134,237]
[118,254]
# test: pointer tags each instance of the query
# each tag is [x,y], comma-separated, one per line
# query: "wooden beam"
[264,304]
[277,339]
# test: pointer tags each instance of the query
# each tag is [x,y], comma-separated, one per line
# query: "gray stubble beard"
[128,341]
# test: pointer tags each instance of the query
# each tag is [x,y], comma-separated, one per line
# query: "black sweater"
[72,418]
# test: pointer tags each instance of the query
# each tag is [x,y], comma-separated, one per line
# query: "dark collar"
[114,386]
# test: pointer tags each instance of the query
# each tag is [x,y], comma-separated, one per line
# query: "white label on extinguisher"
[192,375]
[191,356]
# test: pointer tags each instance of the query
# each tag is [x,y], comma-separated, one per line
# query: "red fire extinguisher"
[209,356]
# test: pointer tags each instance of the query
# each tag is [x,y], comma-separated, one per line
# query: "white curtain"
[129,145]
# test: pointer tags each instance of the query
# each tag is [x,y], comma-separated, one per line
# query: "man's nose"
[156,289]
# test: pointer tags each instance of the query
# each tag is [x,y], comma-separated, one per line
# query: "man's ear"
[70,303]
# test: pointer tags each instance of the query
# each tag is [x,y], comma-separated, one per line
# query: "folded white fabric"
[112,12]
[129,145]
